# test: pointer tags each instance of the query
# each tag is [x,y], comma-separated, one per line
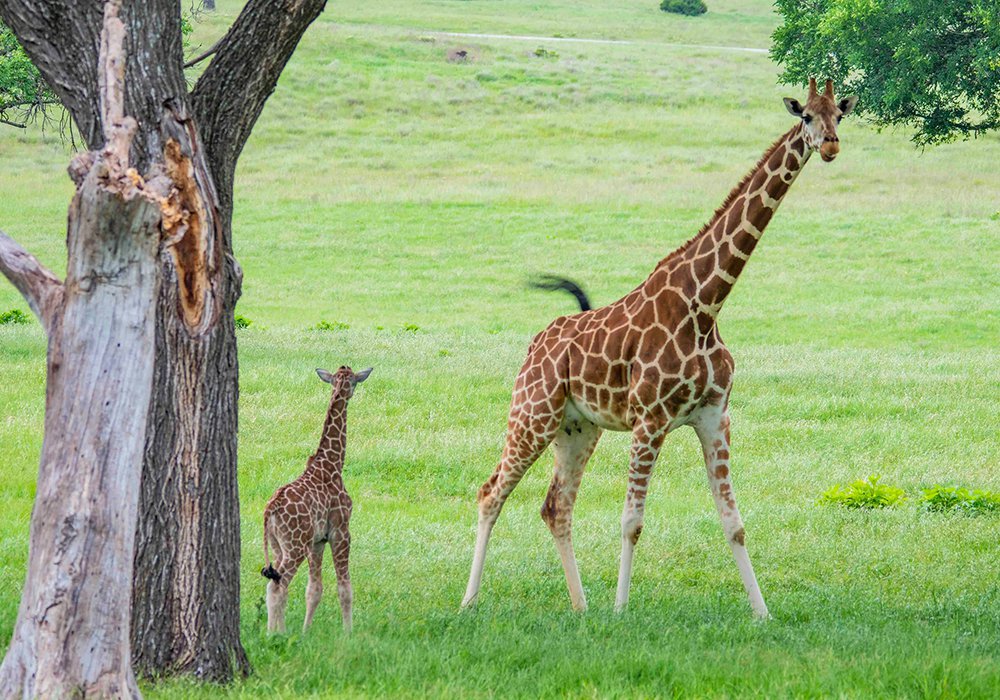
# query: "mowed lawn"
[410,198]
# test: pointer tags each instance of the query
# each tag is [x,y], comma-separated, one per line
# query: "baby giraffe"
[305,515]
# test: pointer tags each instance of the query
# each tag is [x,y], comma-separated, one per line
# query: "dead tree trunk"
[186,593]
[71,635]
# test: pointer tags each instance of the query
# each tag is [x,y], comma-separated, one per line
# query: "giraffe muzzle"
[829,150]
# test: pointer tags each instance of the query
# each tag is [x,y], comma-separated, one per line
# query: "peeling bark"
[71,637]
[185,615]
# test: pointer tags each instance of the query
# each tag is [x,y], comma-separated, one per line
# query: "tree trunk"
[185,616]
[71,635]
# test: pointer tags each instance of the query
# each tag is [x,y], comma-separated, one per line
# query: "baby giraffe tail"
[268,571]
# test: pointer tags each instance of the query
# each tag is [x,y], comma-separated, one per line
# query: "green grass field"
[410,198]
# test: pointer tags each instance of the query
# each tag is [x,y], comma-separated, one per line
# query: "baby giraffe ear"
[794,107]
[324,375]
[362,375]
[847,104]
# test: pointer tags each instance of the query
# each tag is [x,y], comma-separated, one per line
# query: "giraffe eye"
[807,118]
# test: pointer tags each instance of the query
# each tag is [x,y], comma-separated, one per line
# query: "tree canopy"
[930,64]
[23,92]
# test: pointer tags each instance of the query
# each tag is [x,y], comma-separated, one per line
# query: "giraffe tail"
[268,571]
[552,283]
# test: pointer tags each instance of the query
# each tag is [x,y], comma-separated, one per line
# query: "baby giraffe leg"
[277,591]
[646,442]
[314,589]
[340,547]
[713,432]
[573,445]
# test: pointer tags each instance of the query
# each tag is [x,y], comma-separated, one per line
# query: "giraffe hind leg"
[573,446]
[277,591]
[647,439]
[527,437]
[314,589]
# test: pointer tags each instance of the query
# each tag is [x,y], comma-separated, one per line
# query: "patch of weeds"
[242,321]
[13,317]
[411,327]
[443,353]
[330,326]
[864,494]
[950,498]
[542,52]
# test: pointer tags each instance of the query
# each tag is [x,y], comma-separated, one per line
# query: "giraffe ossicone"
[649,363]
[313,511]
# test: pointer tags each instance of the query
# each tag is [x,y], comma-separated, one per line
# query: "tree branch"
[39,287]
[231,93]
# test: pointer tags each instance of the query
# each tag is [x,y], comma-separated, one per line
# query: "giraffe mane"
[731,197]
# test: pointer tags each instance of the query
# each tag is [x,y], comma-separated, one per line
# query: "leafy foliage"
[241,321]
[23,93]
[864,494]
[14,316]
[684,7]
[330,326]
[933,64]
[950,498]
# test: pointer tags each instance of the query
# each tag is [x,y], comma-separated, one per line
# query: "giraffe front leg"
[573,446]
[341,550]
[647,438]
[314,589]
[713,432]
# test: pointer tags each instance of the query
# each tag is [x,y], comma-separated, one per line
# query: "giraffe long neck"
[713,260]
[328,459]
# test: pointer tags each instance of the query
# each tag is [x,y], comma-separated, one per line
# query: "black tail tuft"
[269,572]
[552,283]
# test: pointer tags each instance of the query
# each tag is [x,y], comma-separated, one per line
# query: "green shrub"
[14,316]
[542,52]
[330,326]
[411,327]
[242,321]
[864,494]
[684,7]
[949,498]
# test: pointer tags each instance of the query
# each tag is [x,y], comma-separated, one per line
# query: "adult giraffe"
[648,363]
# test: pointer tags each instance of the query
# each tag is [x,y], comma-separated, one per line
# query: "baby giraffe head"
[344,380]
[820,116]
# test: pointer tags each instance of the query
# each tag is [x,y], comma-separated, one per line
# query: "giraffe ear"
[362,375]
[847,104]
[324,375]
[794,107]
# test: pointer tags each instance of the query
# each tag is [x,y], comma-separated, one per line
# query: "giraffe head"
[344,380]
[820,116]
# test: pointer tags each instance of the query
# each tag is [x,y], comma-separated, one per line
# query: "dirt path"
[519,37]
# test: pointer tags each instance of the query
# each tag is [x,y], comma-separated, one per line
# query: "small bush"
[542,52]
[411,327]
[14,316]
[684,7]
[864,494]
[330,326]
[949,498]
[242,321]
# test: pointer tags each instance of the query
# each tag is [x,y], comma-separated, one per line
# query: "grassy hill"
[409,198]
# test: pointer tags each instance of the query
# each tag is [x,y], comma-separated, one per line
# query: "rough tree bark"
[71,634]
[186,593]
[186,608]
